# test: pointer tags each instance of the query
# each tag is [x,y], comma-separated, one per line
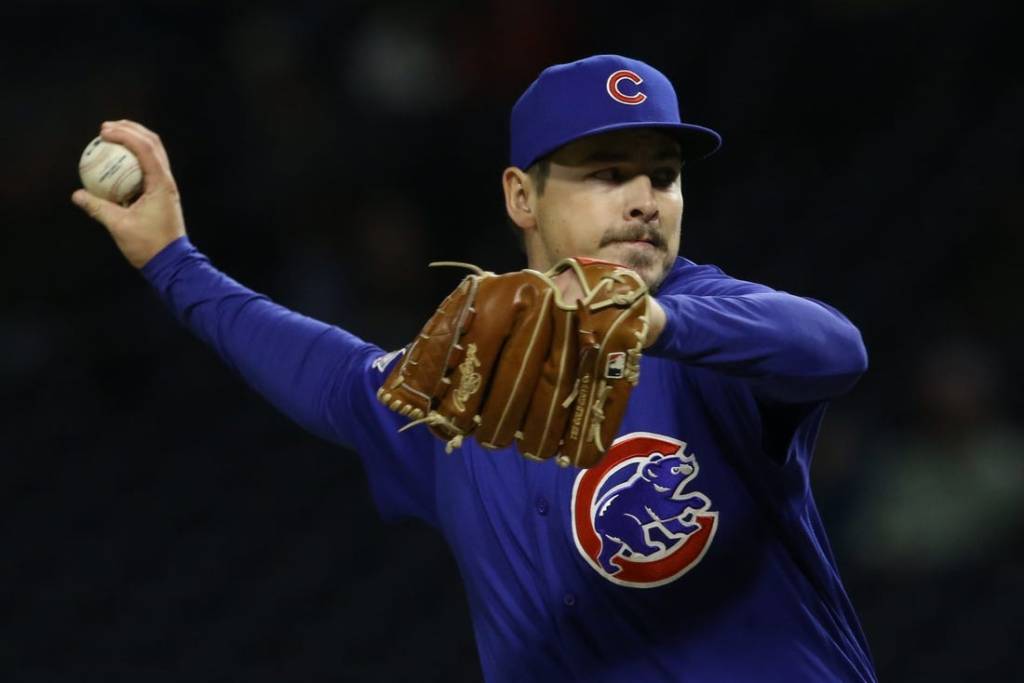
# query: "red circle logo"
[637,519]
[615,81]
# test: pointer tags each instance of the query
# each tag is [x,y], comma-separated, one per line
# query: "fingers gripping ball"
[110,171]
[507,361]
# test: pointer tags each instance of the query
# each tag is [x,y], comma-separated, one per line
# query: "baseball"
[110,171]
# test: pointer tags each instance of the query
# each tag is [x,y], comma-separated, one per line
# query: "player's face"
[615,196]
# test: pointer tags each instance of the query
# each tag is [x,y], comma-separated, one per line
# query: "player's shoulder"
[704,279]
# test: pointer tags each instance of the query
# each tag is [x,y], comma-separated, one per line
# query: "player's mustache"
[634,234]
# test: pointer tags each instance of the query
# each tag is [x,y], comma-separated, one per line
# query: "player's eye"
[664,177]
[610,175]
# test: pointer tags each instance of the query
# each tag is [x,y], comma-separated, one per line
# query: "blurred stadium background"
[161,523]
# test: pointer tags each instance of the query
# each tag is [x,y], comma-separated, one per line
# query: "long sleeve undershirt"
[791,349]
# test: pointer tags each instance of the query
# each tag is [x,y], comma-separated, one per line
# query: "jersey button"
[542,505]
[569,599]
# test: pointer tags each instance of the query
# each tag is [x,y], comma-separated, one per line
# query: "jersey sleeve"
[787,348]
[319,375]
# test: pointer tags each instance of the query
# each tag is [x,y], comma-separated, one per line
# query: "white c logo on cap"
[613,87]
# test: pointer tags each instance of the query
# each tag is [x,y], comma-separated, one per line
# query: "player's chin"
[650,262]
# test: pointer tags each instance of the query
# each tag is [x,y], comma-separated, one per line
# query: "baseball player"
[693,549]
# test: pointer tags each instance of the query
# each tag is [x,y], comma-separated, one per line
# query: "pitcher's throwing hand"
[154,220]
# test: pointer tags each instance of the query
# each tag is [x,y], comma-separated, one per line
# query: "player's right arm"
[283,355]
[319,375]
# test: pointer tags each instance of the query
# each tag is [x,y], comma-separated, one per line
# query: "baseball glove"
[506,360]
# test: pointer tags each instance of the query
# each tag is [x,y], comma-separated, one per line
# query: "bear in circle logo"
[634,519]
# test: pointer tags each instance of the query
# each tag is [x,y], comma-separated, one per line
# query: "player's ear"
[518,187]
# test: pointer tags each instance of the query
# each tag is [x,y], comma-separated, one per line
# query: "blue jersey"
[692,552]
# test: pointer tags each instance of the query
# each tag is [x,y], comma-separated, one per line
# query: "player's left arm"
[790,349]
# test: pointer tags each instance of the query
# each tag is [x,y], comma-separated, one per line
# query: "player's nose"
[640,200]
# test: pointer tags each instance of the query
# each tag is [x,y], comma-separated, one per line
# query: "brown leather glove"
[506,360]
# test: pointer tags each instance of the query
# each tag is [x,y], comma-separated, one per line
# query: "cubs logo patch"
[633,519]
[614,83]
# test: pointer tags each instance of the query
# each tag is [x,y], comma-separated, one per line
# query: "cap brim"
[695,142]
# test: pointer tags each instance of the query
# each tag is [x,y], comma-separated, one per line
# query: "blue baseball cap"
[595,95]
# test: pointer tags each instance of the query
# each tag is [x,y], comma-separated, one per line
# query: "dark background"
[160,522]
